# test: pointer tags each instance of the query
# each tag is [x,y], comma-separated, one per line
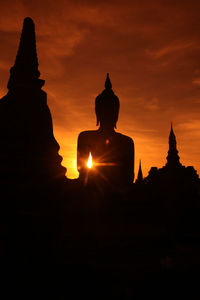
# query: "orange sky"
[151,50]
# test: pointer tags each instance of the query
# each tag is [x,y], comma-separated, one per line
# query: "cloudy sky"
[151,50]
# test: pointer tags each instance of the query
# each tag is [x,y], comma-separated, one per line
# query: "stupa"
[29,150]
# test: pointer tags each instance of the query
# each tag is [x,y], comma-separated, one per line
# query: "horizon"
[154,71]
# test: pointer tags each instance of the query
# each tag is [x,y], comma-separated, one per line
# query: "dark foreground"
[67,240]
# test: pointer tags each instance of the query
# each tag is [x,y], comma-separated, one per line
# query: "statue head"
[107,106]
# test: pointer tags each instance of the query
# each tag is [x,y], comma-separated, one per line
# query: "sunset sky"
[151,50]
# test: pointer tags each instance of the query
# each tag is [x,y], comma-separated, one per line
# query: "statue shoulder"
[126,139]
[86,134]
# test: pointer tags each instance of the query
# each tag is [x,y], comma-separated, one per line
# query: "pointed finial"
[172,131]
[26,64]
[108,84]
[140,175]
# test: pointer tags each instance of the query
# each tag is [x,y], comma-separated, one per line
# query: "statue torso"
[112,154]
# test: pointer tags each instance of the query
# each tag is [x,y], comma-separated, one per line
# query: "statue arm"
[79,146]
[131,161]
[82,155]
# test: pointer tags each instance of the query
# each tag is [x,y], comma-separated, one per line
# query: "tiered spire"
[172,158]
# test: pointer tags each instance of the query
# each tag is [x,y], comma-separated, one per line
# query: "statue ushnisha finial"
[108,84]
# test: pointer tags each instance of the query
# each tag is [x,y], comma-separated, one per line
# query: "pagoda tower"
[174,176]
[29,150]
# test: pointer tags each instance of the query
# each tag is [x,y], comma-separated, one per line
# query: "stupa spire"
[25,70]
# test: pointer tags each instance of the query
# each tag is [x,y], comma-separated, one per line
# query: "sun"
[89,163]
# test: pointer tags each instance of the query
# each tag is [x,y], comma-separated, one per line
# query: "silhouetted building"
[112,153]
[173,172]
[29,151]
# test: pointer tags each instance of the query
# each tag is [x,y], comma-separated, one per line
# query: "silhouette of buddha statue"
[112,152]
